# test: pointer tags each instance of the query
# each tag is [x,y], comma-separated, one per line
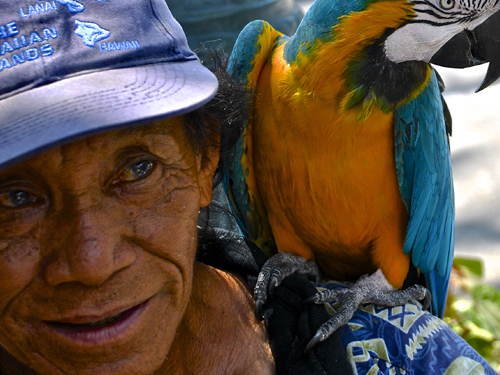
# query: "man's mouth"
[84,330]
[97,324]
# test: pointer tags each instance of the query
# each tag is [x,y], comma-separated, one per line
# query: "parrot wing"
[426,186]
[252,50]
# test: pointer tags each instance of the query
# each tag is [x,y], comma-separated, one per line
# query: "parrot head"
[450,33]
[399,38]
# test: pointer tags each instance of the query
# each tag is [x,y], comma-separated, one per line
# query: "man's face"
[97,245]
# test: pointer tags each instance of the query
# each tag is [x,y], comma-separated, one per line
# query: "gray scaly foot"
[274,271]
[368,289]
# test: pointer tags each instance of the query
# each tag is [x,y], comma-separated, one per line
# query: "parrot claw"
[368,289]
[318,337]
[427,299]
[274,271]
[313,299]
[259,310]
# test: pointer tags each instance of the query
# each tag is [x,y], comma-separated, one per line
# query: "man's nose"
[90,250]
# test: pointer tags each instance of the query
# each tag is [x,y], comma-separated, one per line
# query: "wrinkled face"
[97,245]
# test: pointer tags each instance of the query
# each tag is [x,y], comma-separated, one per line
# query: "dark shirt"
[290,323]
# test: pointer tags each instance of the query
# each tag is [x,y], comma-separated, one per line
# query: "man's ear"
[208,165]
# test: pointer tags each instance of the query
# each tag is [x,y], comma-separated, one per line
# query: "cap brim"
[46,117]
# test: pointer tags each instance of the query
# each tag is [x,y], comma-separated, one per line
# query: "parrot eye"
[447,4]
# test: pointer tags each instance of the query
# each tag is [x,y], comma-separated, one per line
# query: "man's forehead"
[164,126]
[159,133]
[161,130]
[165,137]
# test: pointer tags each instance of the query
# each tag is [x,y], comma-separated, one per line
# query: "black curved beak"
[474,47]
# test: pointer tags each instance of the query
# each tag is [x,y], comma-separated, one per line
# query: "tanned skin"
[98,240]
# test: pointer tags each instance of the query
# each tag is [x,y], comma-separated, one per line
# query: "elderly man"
[98,215]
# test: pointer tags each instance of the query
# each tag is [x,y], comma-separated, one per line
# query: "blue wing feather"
[425,179]
[250,52]
[245,49]
[240,65]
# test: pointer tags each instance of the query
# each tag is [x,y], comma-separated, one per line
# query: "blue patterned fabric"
[406,340]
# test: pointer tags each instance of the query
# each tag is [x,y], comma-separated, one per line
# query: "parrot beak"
[474,47]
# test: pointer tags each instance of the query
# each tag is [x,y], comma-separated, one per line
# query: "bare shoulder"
[219,333]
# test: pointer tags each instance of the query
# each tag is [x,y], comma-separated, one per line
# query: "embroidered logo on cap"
[90,32]
[19,46]
[17,43]
[46,6]
[73,6]
[38,9]
[117,46]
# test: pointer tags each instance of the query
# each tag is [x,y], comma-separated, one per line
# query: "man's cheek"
[168,229]
[19,265]
[167,235]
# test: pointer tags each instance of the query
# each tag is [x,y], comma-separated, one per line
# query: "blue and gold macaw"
[345,157]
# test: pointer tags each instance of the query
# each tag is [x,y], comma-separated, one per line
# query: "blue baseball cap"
[73,68]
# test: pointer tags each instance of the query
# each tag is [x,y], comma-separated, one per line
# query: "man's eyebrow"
[135,140]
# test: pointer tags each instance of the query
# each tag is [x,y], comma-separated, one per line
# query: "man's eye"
[17,198]
[137,170]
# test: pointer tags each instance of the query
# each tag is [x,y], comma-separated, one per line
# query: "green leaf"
[473,265]
[483,292]
[474,313]
[479,334]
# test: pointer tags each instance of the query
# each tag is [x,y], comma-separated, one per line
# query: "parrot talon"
[427,300]
[274,271]
[312,299]
[420,293]
[368,289]
[259,310]
[318,337]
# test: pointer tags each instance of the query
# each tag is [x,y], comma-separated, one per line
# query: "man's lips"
[94,323]
[92,330]
[77,319]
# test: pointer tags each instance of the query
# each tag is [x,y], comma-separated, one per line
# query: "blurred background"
[475,156]
[209,20]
